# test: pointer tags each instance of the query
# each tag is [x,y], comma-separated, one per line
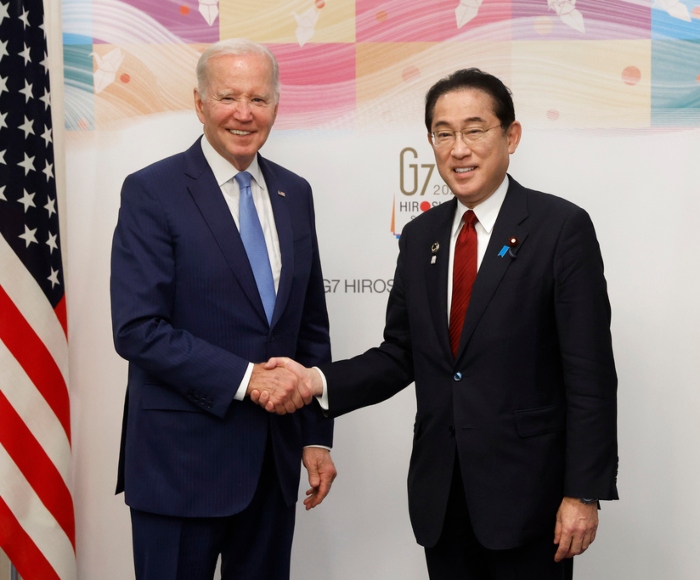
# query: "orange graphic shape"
[184,10]
[631,75]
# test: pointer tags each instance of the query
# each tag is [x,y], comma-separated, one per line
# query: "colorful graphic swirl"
[367,63]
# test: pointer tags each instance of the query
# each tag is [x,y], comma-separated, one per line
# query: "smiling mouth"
[464,169]
[241,133]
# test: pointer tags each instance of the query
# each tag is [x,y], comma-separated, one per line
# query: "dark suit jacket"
[529,404]
[188,317]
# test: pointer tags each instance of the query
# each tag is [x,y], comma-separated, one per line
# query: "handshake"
[282,385]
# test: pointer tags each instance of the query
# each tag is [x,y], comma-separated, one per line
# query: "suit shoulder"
[282,173]
[548,200]
[549,204]
[167,167]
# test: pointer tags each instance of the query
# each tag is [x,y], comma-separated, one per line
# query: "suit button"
[457,376]
[451,429]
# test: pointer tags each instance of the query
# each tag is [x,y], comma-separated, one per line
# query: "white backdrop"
[641,189]
[642,192]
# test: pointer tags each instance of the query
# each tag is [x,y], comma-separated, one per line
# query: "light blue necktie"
[254,242]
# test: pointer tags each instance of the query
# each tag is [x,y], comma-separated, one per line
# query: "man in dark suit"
[515,433]
[205,471]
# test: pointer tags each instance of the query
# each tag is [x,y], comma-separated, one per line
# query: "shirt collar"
[487,211]
[223,170]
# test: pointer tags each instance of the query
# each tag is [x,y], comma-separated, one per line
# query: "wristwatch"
[587,501]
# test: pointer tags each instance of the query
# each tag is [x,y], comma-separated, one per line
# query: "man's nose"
[242,109]
[460,147]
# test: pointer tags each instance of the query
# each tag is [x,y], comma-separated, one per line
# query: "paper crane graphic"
[107,67]
[467,11]
[306,25]
[209,9]
[566,10]
[675,8]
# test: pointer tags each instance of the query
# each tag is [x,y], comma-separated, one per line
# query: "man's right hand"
[278,389]
[309,382]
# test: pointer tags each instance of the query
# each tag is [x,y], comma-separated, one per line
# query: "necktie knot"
[243,179]
[469,218]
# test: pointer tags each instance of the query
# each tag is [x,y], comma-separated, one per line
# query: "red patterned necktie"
[463,276]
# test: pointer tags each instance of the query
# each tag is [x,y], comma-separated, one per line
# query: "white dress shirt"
[225,173]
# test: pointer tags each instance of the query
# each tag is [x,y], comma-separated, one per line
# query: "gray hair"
[236,47]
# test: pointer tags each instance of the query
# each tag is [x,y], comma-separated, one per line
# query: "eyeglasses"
[471,137]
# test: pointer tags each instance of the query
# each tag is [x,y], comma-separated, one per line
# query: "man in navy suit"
[206,472]
[515,438]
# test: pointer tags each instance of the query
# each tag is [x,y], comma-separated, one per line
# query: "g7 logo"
[410,172]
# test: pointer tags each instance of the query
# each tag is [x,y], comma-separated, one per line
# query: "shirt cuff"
[323,399]
[243,387]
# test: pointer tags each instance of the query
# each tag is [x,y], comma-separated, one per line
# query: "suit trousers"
[458,555]
[254,544]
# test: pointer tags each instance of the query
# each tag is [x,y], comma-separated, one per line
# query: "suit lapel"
[436,274]
[207,195]
[493,267]
[285,233]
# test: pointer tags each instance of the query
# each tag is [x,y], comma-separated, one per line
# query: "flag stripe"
[29,299]
[40,528]
[34,411]
[36,467]
[28,560]
[36,360]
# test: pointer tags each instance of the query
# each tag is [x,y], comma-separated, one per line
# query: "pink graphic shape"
[182,18]
[419,20]
[315,79]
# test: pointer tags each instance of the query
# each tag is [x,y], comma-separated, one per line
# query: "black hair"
[472,78]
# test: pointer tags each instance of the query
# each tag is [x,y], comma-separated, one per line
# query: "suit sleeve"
[583,323]
[142,287]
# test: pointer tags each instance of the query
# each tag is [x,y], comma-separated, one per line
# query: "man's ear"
[515,131]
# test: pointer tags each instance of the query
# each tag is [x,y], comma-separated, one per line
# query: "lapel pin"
[434,248]
[282,193]
[508,248]
[512,243]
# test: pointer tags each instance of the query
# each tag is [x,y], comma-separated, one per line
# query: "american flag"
[37,525]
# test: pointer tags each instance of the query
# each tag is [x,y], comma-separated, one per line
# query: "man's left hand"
[322,472]
[575,528]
